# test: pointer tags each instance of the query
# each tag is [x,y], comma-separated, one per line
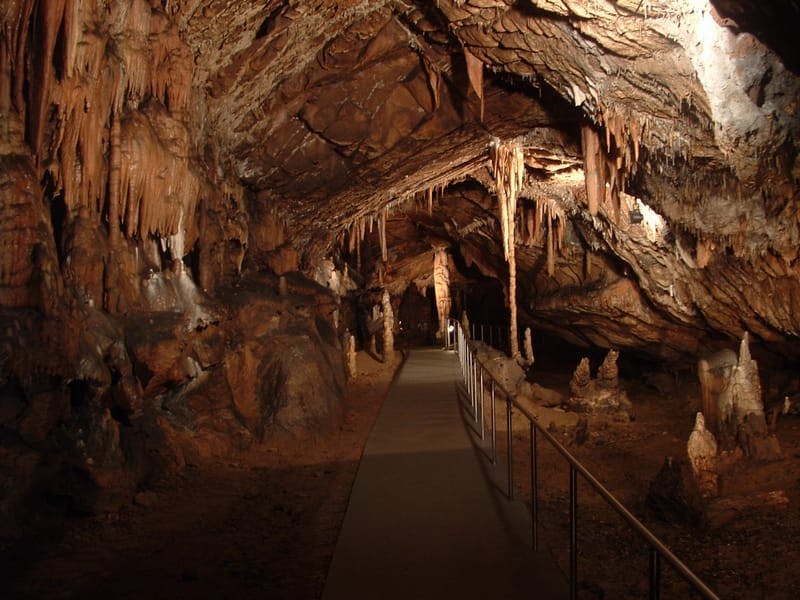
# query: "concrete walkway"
[423,520]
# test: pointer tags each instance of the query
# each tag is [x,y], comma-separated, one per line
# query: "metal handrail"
[475,375]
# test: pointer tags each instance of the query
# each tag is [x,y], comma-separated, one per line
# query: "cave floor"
[262,524]
[265,522]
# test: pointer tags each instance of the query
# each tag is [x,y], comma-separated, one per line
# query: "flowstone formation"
[602,395]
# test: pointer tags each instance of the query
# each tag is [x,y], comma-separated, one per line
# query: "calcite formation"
[601,394]
[702,452]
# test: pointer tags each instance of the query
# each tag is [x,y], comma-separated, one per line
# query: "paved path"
[423,520]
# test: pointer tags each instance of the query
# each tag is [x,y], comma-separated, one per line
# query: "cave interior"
[201,201]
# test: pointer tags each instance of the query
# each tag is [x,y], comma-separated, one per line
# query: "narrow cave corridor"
[224,225]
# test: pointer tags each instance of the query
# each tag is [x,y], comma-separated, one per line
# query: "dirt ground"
[265,523]
[261,525]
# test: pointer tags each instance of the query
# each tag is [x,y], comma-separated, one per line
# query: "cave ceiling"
[367,104]
[337,115]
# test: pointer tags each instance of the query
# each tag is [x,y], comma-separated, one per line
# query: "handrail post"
[483,417]
[474,375]
[654,572]
[573,532]
[494,428]
[510,443]
[468,374]
[534,491]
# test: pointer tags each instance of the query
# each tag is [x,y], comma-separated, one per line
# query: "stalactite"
[47,23]
[115,167]
[508,169]
[429,200]
[475,74]
[551,261]
[382,216]
[593,168]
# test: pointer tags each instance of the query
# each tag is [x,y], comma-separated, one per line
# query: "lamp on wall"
[636,216]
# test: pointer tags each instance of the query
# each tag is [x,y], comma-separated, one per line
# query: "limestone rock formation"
[600,395]
[731,390]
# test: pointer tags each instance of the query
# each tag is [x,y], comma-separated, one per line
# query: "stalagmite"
[509,168]
[528,346]
[702,452]
[441,284]
[581,379]
[388,326]
[608,372]
[746,384]
[465,324]
[350,355]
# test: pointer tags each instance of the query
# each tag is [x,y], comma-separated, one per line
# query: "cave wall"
[123,228]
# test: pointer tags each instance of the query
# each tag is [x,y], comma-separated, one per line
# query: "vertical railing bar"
[654,571]
[573,532]
[483,417]
[510,444]
[534,491]
[494,428]
[469,374]
[474,375]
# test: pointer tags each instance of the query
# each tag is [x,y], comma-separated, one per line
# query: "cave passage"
[222,222]
[425,519]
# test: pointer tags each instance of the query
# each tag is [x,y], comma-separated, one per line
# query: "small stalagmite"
[388,326]
[528,346]
[350,355]
[608,372]
[465,324]
[581,379]
[702,452]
